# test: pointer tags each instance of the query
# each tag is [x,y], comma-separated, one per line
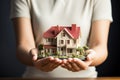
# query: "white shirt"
[47,13]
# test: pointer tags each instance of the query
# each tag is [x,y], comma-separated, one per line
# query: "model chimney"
[58,28]
[74,27]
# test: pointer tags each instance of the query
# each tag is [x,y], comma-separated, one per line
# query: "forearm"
[23,54]
[101,54]
[98,40]
[24,39]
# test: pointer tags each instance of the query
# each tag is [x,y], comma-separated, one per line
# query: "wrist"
[33,53]
[91,56]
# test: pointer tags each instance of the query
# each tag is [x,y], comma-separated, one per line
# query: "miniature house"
[62,39]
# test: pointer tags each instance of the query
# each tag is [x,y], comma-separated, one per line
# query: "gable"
[64,34]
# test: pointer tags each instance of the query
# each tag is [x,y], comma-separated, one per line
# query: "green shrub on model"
[79,52]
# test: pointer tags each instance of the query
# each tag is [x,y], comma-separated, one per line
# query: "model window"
[49,40]
[46,40]
[53,51]
[61,49]
[69,50]
[48,50]
[63,34]
[62,42]
[68,41]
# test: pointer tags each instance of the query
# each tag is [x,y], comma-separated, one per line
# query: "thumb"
[33,54]
[91,54]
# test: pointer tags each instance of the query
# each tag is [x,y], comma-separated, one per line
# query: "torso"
[47,13]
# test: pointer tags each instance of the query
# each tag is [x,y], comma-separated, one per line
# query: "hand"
[75,64]
[44,64]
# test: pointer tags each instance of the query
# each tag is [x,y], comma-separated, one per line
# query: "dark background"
[11,67]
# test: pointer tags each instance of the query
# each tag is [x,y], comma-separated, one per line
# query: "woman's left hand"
[75,64]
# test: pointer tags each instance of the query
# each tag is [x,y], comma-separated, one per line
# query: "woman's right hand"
[44,64]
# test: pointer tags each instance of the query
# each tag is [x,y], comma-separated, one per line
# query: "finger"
[58,61]
[81,64]
[55,63]
[48,67]
[46,61]
[75,67]
[91,54]
[68,65]
[45,64]
[63,65]
[33,54]
[64,61]
[88,63]
[50,64]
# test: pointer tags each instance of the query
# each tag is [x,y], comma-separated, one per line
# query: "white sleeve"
[102,10]
[19,8]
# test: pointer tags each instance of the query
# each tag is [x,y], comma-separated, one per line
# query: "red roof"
[72,30]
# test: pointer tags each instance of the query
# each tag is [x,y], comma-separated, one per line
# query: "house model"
[61,39]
